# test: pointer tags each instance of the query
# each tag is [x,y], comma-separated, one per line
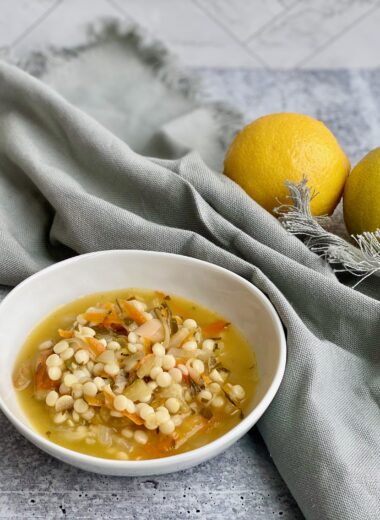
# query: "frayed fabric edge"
[152,52]
[362,260]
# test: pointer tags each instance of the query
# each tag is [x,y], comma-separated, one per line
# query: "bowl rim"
[201,453]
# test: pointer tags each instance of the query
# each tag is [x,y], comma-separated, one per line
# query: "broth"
[209,403]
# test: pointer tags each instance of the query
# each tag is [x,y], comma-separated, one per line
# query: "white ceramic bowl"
[216,288]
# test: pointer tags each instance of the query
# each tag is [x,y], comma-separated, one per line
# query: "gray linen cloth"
[136,167]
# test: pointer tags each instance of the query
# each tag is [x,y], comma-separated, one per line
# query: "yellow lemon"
[287,146]
[361,199]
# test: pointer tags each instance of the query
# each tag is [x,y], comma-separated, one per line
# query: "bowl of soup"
[136,362]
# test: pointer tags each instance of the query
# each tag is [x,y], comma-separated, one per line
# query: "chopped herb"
[206,413]
[131,378]
[120,308]
[212,363]
[229,398]
[195,388]
[221,368]
[173,325]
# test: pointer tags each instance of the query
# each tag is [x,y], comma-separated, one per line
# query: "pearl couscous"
[134,375]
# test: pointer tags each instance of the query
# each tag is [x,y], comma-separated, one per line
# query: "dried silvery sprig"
[362,259]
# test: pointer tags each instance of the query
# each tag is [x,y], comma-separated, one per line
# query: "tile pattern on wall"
[306,27]
[358,47]
[274,34]
[18,17]
[242,18]
[66,25]
[194,36]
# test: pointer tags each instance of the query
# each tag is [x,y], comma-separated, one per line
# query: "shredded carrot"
[206,379]
[94,400]
[143,360]
[132,312]
[153,451]
[42,381]
[159,447]
[95,345]
[112,318]
[190,426]
[165,444]
[133,417]
[147,345]
[181,361]
[95,317]
[109,396]
[215,328]
[65,333]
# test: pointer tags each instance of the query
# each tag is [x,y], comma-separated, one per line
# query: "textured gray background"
[348,101]
[276,34]
[243,482]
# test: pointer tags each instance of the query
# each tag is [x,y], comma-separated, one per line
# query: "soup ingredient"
[361,200]
[136,376]
[22,378]
[286,147]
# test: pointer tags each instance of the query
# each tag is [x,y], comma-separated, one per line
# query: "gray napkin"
[143,172]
